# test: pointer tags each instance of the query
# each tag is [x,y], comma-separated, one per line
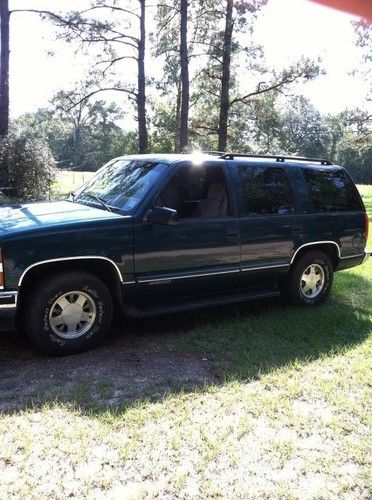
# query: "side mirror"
[162,215]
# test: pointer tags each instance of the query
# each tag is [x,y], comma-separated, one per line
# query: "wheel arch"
[330,248]
[102,267]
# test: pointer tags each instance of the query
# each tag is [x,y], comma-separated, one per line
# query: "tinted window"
[266,190]
[196,192]
[331,190]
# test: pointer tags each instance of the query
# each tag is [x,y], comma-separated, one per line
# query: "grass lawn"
[366,192]
[69,180]
[283,409]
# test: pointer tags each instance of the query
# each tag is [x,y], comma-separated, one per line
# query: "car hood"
[34,216]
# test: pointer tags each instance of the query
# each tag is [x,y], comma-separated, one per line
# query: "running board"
[166,307]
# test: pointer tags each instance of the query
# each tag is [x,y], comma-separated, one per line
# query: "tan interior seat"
[215,205]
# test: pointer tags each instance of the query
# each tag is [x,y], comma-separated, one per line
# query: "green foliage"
[27,166]
[45,126]
[345,139]
[356,156]
[92,133]
[163,138]
[303,132]
[81,137]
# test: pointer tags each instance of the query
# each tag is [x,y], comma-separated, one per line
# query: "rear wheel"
[68,312]
[310,279]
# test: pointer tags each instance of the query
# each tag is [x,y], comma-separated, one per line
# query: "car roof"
[199,157]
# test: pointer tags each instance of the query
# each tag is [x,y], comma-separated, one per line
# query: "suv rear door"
[270,224]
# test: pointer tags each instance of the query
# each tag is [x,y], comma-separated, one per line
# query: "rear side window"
[331,190]
[266,190]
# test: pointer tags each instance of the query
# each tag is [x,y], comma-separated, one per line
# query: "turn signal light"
[1,271]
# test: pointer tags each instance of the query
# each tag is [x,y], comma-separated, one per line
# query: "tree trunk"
[177,118]
[141,95]
[184,61]
[4,68]
[225,78]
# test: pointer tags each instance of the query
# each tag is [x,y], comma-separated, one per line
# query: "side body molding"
[99,257]
[317,243]
[63,259]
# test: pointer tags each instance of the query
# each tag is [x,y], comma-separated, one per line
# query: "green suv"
[155,234]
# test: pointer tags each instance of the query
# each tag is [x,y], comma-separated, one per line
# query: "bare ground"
[127,368]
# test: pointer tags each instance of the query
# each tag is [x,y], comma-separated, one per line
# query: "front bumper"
[8,308]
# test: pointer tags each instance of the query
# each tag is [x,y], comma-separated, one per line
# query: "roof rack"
[278,158]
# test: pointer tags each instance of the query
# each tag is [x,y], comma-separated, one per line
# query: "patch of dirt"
[127,368]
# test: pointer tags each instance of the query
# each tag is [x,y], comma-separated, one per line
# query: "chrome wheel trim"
[312,281]
[72,314]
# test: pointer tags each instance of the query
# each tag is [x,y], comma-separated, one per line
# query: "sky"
[287,30]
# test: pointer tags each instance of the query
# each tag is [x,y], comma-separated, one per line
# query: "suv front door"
[202,253]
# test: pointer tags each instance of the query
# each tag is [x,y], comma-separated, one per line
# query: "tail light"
[1,271]
[366,225]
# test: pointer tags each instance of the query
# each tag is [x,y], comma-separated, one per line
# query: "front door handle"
[232,233]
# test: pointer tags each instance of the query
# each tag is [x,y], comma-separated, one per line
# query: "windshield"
[121,184]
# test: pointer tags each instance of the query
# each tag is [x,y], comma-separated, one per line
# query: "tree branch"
[112,62]
[94,92]
[259,90]
[111,7]
[74,26]
[211,130]
[41,12]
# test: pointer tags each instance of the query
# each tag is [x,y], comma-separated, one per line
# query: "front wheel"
[310,280]
[68,312]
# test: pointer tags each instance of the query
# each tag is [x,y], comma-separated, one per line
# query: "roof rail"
[278,158]
[215,153]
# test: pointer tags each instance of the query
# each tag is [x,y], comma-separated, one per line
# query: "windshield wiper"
[96,198]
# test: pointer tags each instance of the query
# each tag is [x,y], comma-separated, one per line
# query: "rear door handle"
[297,229]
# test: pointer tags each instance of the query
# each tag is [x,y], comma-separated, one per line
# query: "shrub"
[26,167]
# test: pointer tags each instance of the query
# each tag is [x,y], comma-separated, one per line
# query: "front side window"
[266,190]
[122,184]
[196,191]
[331,190]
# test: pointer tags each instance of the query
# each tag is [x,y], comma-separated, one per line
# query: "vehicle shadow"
[150,359]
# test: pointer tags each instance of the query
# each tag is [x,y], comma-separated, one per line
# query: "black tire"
[293,284]
[42,302]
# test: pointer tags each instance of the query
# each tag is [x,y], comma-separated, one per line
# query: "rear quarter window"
[331,190]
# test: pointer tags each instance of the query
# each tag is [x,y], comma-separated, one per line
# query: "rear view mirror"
[162,215]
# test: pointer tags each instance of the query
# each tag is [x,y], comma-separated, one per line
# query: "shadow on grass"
[150,359]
